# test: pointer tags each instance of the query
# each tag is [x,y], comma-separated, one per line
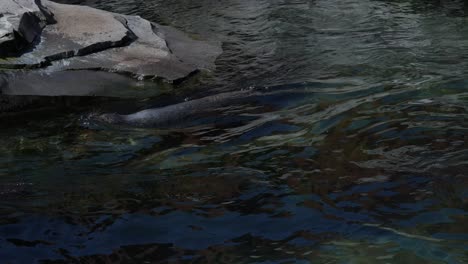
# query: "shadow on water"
[355,154]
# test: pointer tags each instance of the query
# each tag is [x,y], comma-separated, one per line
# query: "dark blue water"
[356,154]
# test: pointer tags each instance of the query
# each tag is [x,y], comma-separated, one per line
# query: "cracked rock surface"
[54,49]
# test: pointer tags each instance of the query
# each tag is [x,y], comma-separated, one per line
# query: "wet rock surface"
[51,49]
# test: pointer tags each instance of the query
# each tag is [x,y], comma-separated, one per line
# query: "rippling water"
[355,154]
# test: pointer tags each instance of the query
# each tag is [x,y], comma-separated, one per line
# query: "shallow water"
[355,154]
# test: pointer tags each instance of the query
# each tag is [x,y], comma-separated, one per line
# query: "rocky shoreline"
[51,49]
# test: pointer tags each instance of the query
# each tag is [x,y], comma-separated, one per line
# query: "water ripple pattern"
[355,152]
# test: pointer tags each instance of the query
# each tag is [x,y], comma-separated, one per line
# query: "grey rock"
[78,31]
[92,47]
[21,23]
[158,51]
[80,83]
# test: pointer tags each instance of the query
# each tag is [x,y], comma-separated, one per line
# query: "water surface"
[355,154]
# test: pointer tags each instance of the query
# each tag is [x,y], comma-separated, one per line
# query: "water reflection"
[355,153]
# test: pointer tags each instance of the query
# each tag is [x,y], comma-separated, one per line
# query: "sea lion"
[173,114]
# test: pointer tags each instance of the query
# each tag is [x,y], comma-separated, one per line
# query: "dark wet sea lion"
[173,114]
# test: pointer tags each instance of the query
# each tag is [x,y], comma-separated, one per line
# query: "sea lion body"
[172,114]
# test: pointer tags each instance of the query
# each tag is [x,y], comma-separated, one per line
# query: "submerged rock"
[51,49]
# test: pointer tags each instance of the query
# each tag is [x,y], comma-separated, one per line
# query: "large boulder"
[54,49]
